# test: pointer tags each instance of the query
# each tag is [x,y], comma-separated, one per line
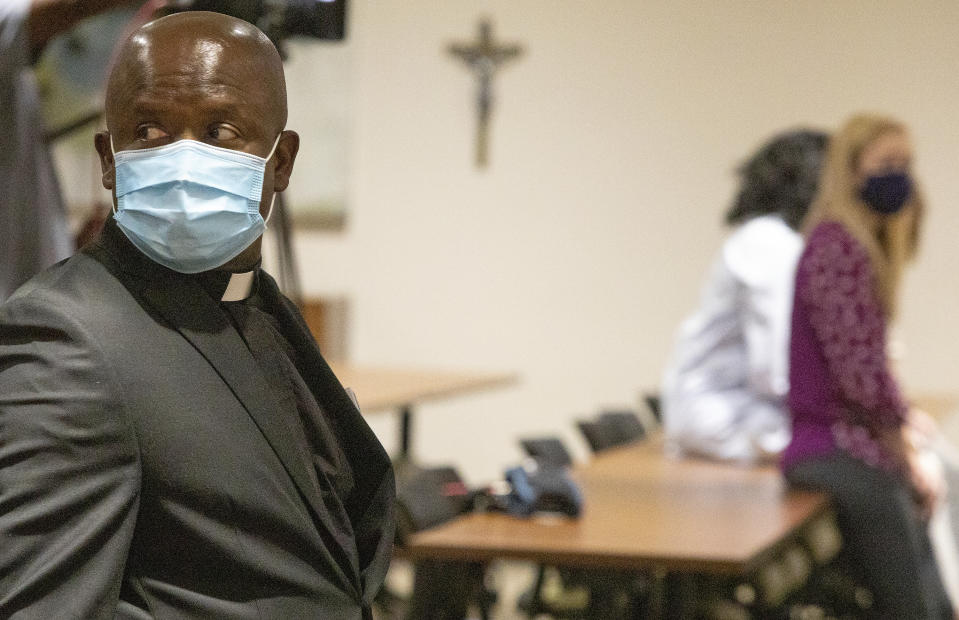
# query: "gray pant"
[883,535]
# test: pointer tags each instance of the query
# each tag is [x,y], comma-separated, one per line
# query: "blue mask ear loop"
[114,154]
[269,213]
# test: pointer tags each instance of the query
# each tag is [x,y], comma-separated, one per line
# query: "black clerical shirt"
[330,471]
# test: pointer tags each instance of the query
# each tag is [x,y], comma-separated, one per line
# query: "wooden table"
[644,510]
[399,389]
[940,405]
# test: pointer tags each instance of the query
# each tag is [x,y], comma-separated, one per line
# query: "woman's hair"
[780,178]
[890,240]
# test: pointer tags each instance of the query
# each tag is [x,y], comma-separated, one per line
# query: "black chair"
[442,590]
[584,593]
[655,405]
[426,497]
[611,429]
[625,425]
[547,449]
[598,436]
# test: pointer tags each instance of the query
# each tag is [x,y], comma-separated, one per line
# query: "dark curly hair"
[780,178]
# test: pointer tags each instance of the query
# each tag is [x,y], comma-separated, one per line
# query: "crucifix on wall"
[483,58]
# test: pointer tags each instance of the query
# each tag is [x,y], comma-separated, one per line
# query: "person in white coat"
[724,388]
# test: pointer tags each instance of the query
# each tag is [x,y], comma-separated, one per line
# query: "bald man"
[172,444]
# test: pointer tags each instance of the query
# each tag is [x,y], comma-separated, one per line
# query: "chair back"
[428,497]
[598,436]
[548,450]
[625,426]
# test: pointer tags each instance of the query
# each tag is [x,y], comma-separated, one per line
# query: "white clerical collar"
[239,287]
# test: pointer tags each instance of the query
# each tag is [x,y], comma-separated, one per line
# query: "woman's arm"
[836,284]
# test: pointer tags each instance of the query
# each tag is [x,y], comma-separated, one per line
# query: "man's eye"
[150,132]
[222,133]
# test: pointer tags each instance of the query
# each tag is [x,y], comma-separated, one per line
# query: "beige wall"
[573,257]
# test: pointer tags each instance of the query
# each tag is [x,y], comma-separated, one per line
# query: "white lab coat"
[725,385]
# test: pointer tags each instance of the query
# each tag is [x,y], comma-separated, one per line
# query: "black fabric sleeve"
[69,473]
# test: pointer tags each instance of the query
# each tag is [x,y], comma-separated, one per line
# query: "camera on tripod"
[279,19]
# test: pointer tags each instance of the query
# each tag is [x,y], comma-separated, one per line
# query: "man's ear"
[102,143]
[285,155]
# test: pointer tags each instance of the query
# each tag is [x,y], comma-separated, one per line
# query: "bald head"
[205,77]
[199,57]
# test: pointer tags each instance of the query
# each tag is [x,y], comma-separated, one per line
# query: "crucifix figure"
[484,57]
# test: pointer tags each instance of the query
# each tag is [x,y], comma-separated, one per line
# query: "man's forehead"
[210,99]
[203,56]
[201,69]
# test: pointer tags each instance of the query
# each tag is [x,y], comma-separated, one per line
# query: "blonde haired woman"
[849,420]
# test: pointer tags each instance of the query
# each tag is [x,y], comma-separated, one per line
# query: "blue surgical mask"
[188,205]
[887,193]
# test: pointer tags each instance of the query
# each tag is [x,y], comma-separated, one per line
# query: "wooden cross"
[484,57]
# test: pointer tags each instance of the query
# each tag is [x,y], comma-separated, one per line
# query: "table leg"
[406,431]
[658,595]
[672,596]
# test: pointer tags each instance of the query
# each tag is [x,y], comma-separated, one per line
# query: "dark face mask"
[887,193]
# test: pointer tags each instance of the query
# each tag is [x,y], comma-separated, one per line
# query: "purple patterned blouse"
[841,390]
